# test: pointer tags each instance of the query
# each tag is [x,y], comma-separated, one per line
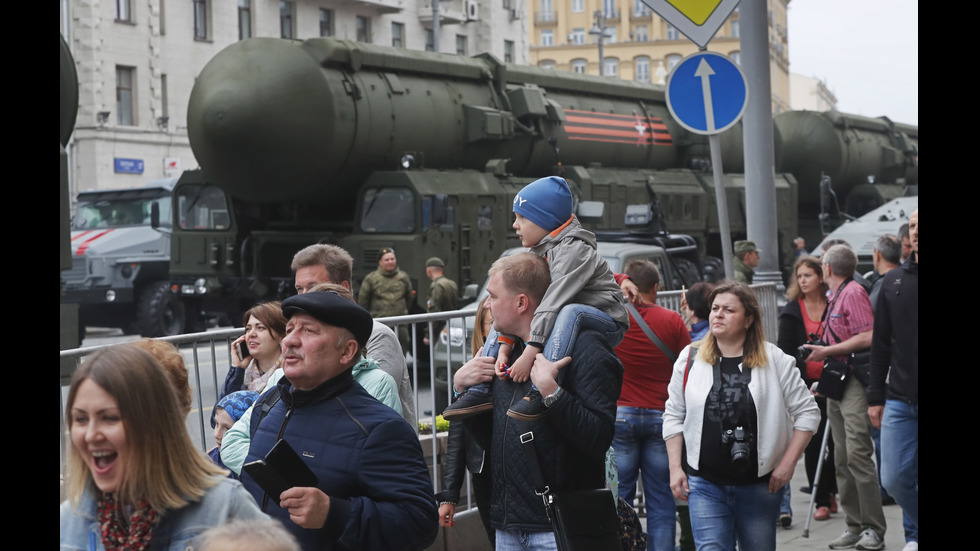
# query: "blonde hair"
[754,349]
[163,466]
[523,273]
[170,358]
[255,534]
[479,338]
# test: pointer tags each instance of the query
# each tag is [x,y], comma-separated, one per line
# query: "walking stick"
[816,478]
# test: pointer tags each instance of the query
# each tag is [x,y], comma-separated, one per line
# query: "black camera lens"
[803,352]
[741,453]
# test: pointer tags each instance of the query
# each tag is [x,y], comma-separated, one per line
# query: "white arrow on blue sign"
[707,93]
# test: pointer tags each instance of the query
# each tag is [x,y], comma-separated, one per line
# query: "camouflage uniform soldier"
[442,292]
[387,291]
[746,258]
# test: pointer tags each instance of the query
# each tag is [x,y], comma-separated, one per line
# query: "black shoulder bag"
[833,378]
[583,520]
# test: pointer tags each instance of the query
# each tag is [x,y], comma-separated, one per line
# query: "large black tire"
[158,312]
[714,269]
[688,272]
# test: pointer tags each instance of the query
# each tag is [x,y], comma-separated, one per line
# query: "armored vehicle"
[367,146]
[119,274]
[861,233]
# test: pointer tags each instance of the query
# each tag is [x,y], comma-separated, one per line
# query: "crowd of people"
[573,367]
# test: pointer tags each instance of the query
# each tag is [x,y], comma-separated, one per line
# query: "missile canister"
[275,120]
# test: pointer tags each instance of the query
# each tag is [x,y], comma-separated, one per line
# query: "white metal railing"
[208,355]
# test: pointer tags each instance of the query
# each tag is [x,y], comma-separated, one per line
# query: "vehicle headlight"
[455,336]
[110,296]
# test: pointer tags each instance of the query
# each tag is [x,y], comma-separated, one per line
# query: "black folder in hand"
[282,469]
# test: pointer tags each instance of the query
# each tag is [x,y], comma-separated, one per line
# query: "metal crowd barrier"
[210,355]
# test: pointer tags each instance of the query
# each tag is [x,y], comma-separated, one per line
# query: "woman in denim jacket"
[134,479]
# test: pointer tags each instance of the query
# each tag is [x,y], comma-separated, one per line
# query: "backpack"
[261,408]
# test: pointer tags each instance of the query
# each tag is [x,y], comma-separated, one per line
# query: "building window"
[430,40]
[736,57]
[610,67]
[672,60]
[462,45]
[641,33]
[508,51]
[609,9]
[642,69]
[546,64]
[362,26]
[640,9]
[578,6]
[125,95]
[286,16]
[548,38]
[578,36]
[735,29]
[672,33]
[326,22]
[507,5]
[202,10]
[244,19]
[578,66]
[398,35]
[124,11]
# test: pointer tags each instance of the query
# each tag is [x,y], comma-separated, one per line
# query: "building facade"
[137,61]
[810,93]
[637,43]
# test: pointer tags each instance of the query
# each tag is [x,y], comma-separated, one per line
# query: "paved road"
[821,533]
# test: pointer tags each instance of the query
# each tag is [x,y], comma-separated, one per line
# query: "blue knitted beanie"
[546,202]
[235,403]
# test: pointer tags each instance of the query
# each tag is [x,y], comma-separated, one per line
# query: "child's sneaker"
[469,404]
[528,409]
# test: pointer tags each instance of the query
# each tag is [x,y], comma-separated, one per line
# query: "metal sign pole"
[722,203]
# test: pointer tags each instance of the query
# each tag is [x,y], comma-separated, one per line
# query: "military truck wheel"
[159,313]
[688,271]
[714,269]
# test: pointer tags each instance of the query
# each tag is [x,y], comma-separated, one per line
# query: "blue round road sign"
[707,93]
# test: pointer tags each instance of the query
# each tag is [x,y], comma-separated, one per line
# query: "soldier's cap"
[745,247]
[385,251]
[435,261]
[332,309]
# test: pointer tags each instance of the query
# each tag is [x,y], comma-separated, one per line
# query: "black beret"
[332,309]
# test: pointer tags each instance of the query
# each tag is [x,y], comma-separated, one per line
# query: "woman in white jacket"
[737,420]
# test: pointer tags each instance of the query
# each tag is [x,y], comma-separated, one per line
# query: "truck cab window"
[202,207]
[120,212]
[388,210]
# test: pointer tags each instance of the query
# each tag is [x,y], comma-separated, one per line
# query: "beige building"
[810,93]
[137,61]
[638,44]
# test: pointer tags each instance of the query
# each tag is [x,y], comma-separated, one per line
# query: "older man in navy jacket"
[373,489]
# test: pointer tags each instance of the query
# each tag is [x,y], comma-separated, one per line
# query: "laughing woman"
[735,423]
[135,480]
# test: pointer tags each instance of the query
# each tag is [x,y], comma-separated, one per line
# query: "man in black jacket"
[894,406]
[571,438]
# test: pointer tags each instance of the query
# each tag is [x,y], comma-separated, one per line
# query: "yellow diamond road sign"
[699,20]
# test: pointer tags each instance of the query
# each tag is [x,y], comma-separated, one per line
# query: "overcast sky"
[866,51]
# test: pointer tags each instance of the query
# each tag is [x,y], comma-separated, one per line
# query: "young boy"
[583,292]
